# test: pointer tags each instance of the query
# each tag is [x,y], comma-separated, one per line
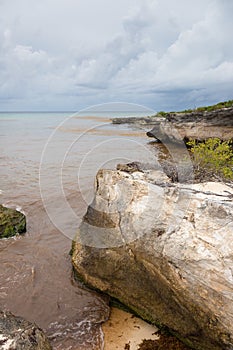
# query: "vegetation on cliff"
[212,157]
[219,105]
[208,135]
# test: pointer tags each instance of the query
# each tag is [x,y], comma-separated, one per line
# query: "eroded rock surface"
[195,125]
[19,334]
[153,120]
[165,250]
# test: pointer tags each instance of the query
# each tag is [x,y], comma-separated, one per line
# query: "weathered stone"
[195,125]
[129,168]
[12,222]
[168,255]
[153,120]
[19,334]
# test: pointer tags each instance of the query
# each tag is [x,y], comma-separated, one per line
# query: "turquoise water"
[48,166]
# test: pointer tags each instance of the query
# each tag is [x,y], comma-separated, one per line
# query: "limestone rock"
[19,334]
[165,250]
[143,121]
[12,222]
[195,125]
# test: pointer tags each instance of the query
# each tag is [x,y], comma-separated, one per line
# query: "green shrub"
[161,114]
[220,105]
[225,104]
[213,156]
[187,111]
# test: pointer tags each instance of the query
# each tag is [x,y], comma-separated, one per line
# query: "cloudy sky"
[71,54]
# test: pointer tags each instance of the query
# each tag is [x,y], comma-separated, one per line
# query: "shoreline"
[123,326]
[124,330]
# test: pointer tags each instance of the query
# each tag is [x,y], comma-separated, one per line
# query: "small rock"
[129,168]
[19,334]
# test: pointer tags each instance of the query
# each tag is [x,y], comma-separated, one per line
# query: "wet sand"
[126,331]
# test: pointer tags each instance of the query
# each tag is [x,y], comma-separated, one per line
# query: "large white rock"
[165,250]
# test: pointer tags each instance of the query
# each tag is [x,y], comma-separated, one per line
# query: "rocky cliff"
[197,125]
[163,249]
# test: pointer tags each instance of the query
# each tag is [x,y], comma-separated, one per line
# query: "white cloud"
[199,57]
[70,53]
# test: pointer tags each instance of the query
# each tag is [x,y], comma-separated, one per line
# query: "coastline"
[122,327]
[140,257]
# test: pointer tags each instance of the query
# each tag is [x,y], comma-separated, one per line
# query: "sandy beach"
[126,331]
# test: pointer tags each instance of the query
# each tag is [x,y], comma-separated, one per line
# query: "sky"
[71,54]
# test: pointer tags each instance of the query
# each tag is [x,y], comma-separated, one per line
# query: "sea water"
[48,166]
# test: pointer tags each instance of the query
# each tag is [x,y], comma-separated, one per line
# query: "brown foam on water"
[90,117]
[102,132]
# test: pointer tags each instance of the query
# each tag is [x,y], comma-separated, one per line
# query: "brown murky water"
[36,279]
[36,282]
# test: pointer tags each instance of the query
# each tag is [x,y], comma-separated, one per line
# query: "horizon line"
[131,111]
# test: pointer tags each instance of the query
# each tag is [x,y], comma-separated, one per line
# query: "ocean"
[48,167]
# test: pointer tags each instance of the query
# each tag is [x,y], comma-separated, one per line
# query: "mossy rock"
[12,222]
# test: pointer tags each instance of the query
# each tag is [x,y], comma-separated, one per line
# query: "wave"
[14,206]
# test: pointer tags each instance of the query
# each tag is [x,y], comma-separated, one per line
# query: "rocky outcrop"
[19,334]
[153,120]
[163,249]
[195,125]
[12,222]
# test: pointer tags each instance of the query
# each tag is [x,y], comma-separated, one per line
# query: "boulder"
[19,334]
[195,125]
[12,222]
[163,249]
